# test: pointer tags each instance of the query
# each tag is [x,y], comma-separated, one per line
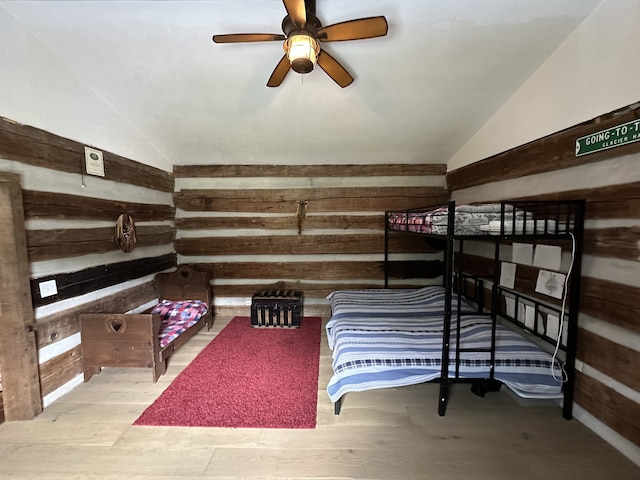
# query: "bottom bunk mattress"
[406,307]
[400,348]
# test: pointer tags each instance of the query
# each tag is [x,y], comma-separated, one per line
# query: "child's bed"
[148,339]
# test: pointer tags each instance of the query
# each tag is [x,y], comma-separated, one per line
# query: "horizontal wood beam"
[614,201]
[359,199]
[336,271]
[281,171]
[301,245]
[614,303]
[78,283]
[65,206]
[310,290]
[617,242]
[65,243]
[310,222]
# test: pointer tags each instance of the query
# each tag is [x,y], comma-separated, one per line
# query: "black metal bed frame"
[549,220]
[461,282]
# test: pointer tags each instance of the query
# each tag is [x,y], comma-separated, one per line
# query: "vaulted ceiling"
[420,93]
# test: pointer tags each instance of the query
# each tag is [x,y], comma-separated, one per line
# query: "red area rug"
[247,378]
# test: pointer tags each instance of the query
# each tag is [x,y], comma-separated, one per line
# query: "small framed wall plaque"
[94,162]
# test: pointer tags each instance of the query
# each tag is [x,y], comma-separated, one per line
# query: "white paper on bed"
[508,275]
[522,253]
[550,283]
[548,256]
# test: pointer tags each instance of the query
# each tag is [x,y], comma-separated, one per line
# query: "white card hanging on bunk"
[550,283]
[530,317]
[522,253]
[548,256]
[553,326]
[508,275]
[510,304]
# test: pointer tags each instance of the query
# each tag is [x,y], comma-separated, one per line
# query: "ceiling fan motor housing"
[311,27]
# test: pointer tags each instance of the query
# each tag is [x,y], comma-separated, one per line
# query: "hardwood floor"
[384,434]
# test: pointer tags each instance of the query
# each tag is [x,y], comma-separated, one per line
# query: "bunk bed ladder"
[491,349]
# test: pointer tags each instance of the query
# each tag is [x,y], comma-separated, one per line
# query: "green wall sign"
[612,137]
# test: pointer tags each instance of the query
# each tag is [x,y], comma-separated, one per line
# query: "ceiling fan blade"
[279,72]
[247,37]
[336,71]
[359,29]
[297,10]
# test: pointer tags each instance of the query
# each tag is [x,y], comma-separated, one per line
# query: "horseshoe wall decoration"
[125,233]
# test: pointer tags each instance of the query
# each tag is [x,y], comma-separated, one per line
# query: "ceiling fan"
[303,36]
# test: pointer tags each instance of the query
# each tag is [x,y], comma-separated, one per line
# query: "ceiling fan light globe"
[302,51]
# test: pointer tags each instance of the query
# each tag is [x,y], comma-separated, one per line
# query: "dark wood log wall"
[317,228]
[70,225]
[609,335]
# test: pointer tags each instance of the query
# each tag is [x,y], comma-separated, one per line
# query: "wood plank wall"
[70,225]
[315,228]
[609,335]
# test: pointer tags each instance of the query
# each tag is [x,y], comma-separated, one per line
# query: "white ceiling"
[420,93]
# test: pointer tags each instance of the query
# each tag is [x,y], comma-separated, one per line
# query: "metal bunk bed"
[532,221]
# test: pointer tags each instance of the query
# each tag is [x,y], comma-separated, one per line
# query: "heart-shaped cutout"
[115,325]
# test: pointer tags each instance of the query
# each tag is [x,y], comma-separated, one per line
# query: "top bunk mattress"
[486,219]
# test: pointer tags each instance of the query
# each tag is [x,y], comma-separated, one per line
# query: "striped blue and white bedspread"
[405,308]
[393,347]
